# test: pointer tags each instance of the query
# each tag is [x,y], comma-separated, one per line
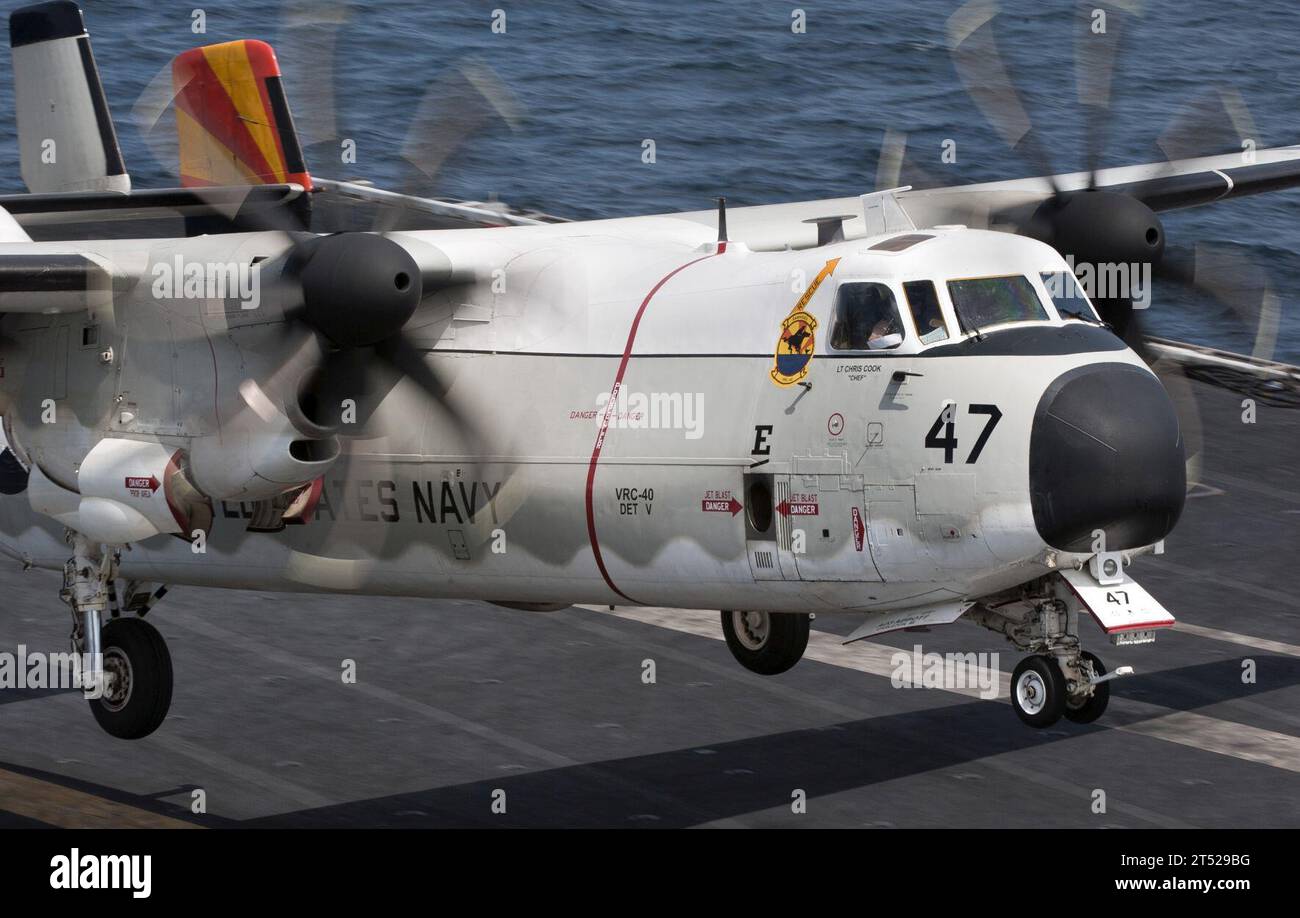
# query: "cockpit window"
[866,318]
[928,318]
[983,301]
[1067,296]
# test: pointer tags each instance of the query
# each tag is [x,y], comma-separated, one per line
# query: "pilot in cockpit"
[885,333]
[866,318]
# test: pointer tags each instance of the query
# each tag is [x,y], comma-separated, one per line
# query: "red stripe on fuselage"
[611,406]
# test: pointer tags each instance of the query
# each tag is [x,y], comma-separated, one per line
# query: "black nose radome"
[1105,453]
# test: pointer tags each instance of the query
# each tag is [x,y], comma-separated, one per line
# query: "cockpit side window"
[983,301]
[866,318]
[1067,296]
[927,315]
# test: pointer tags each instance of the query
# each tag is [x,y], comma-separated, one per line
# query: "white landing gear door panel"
[881,622]
[1119,608]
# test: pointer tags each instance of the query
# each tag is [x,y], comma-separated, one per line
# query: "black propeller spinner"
[358,291]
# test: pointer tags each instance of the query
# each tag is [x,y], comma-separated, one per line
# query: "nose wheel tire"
[137,679]
[766,643]
[1086,710]
[1038,691]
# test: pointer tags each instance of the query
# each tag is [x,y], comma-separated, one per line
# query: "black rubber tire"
[1094,706]
[1052,681]
[151,679]
[786,640]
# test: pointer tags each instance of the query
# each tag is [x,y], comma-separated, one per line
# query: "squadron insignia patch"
[794,349]
[798,341]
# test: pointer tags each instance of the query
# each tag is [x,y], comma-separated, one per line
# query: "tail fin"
[232,118]
[66,137]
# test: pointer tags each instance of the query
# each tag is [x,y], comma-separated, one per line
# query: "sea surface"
[736,102]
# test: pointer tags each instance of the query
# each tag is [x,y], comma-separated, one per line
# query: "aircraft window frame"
[1089,314]
[946,327]
[966,329]
[900,322]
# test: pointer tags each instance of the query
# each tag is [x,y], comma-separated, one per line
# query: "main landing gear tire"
[1038,691]
[766,643]
[1086,710]
[138,679]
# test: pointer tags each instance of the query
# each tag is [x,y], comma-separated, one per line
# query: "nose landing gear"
[1041,693]
[1060,679]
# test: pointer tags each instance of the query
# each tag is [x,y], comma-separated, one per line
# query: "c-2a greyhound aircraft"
[843,406]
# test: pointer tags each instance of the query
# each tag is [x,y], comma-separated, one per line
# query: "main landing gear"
[1059,678]
[767,643]
[127,675]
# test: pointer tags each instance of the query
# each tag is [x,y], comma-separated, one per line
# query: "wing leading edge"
[1161,186]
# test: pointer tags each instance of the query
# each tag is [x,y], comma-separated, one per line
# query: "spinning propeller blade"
[356,292]
[972,41]
[351,292]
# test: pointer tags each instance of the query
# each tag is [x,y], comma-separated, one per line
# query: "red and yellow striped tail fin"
[232,118]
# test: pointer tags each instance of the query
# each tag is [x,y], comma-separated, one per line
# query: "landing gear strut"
[127,673]
[767,643]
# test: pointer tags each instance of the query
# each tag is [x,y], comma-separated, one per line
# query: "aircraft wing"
[1161,186]
[64,207]
[36,281]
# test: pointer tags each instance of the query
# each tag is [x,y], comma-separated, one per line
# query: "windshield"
[983,301]
[1067,296]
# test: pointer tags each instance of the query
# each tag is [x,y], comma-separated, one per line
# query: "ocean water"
[735,102]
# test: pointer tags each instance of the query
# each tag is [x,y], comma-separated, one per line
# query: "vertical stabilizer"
[232,118]
[65,132]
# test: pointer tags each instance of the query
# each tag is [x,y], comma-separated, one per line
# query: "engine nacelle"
[259,454]
[1102,227]
[128,490]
